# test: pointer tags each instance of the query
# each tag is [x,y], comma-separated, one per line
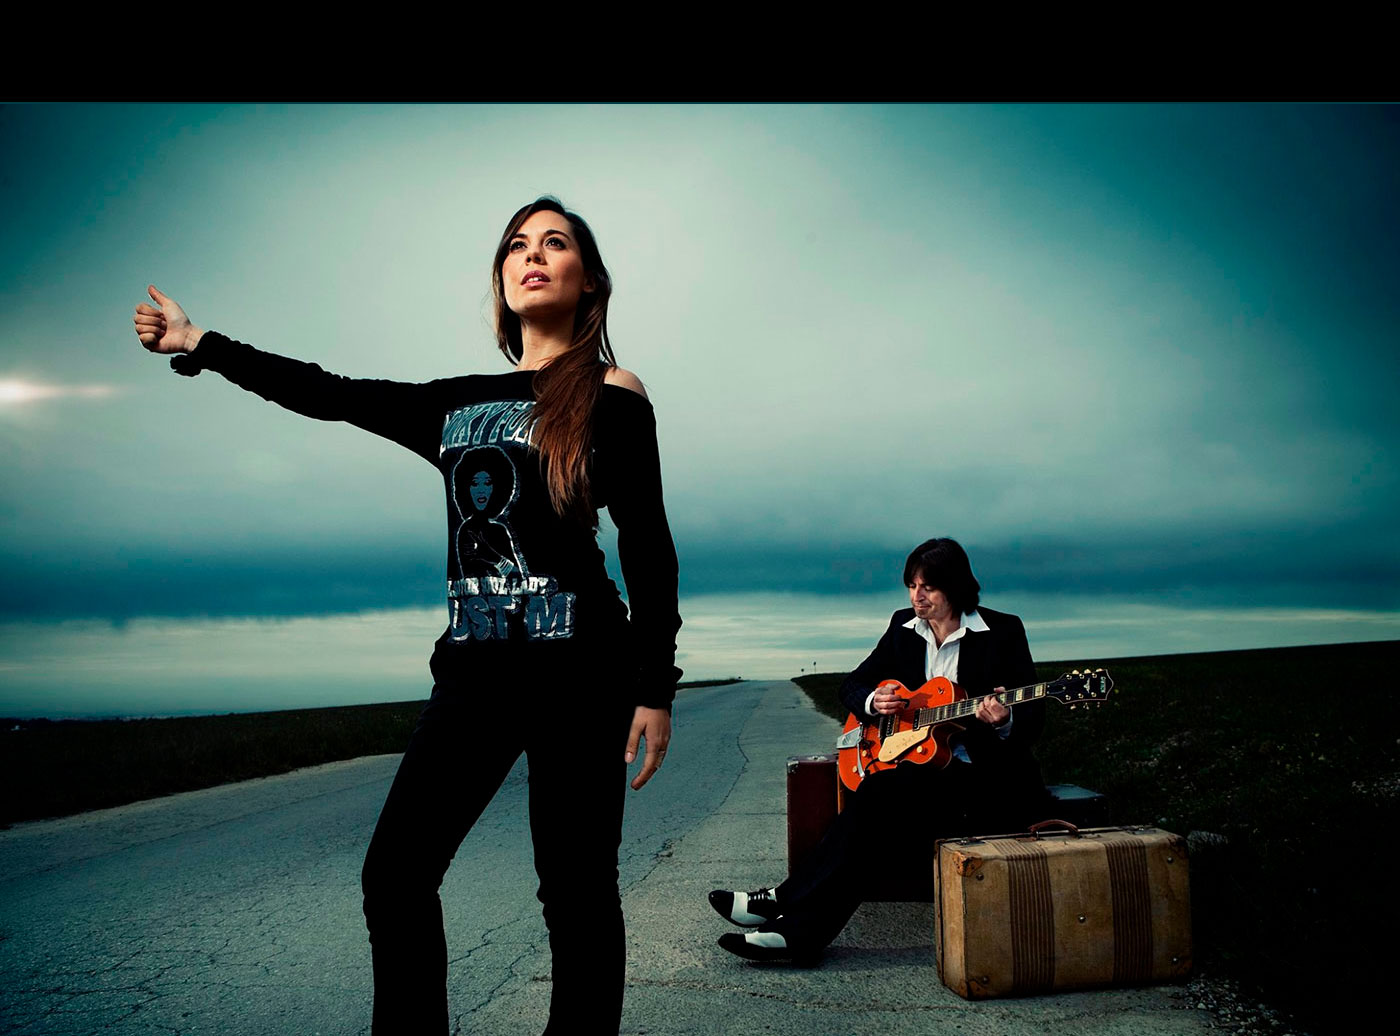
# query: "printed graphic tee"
[517,573]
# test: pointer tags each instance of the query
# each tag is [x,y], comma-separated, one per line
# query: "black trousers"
[456,760]
[888,829]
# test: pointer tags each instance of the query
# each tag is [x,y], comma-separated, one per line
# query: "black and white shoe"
[766,946]
[746,909]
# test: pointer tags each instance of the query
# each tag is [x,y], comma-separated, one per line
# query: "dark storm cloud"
[1341,565]
[127,584]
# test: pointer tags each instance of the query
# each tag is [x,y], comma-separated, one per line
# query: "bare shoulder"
[624,378]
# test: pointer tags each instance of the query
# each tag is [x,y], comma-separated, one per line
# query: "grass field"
[1290,758]
[52,768]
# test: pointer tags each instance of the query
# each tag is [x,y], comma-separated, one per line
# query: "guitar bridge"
[849,738]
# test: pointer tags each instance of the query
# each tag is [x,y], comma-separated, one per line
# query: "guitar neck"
[968,706]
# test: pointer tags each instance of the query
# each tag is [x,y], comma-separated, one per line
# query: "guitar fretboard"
[968,706]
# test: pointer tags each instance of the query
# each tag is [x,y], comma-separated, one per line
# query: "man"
[992,784]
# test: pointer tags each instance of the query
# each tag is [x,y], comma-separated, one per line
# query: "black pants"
[456,760]
[888,829]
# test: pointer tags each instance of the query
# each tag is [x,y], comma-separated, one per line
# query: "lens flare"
[16,392]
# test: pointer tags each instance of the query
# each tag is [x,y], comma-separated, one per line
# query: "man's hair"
[943,564]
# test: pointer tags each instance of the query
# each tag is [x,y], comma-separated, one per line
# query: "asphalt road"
[235,910]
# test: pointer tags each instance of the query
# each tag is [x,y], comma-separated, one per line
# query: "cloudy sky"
[1123,352]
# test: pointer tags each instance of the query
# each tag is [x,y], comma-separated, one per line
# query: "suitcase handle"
[1035,829]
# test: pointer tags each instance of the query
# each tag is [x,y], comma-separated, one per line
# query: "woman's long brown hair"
[567,388]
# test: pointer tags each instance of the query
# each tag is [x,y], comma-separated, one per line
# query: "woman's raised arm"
[406,413]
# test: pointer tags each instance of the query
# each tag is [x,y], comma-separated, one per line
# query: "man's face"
[928,601]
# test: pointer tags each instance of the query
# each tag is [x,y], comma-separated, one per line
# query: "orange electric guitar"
[919,732]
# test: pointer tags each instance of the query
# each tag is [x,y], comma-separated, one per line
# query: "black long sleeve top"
[517,572]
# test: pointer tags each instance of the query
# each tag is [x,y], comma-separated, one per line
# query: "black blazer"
[999,656]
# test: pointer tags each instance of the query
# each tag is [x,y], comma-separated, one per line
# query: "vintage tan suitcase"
[1061,908]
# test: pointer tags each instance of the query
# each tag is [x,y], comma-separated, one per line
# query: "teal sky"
[1132,349]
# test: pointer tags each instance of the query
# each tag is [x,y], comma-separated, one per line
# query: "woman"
[527,458]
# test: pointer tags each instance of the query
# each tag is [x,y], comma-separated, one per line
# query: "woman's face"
[480,490]
[543,273]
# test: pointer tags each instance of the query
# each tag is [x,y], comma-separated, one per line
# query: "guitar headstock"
[1086,687]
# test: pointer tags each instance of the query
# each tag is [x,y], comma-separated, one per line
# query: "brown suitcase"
[1069,909]
[811,802]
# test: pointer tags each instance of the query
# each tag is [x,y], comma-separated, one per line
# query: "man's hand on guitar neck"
[991,711]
